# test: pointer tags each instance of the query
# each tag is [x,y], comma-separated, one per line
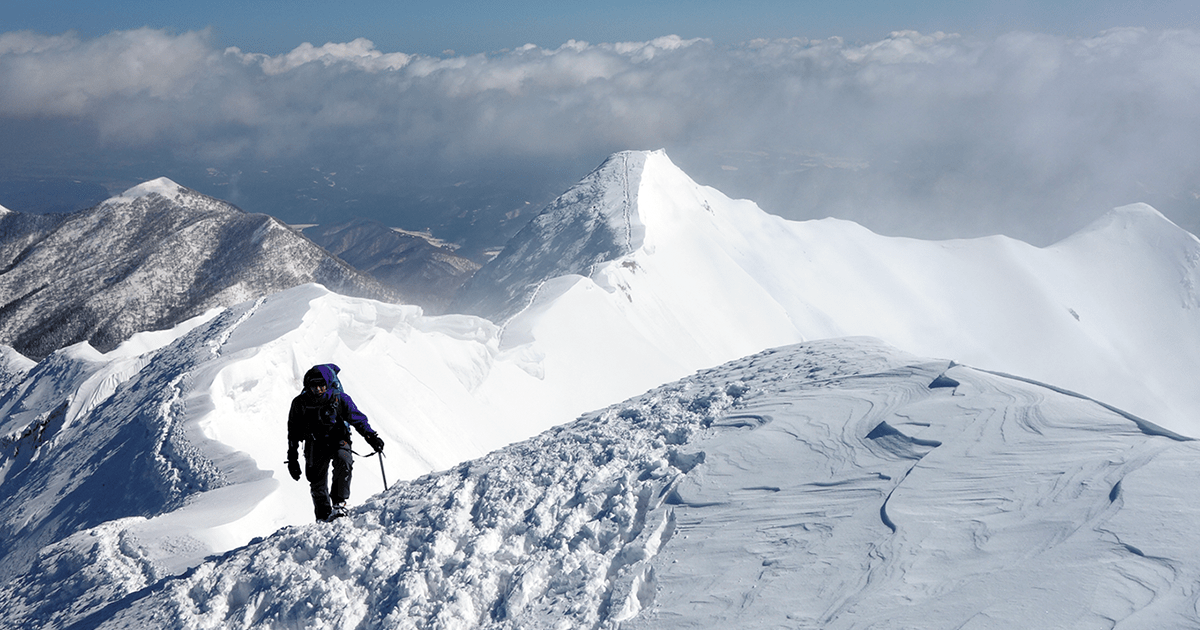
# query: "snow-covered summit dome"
[164,193]
[161,186]
[1139,218]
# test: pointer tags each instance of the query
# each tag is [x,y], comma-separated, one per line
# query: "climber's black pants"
[317,458]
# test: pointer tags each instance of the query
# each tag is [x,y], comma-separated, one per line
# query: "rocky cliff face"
[148,259]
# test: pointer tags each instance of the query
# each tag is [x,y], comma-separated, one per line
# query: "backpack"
[327,422]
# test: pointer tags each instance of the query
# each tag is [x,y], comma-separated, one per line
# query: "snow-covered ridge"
[1138,220]
[716,278]
[199,416]
[833,484]
[661,277]
[149,259]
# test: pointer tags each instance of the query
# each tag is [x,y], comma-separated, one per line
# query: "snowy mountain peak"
[595,221]
[610,192]
[893,480]
[1138,209]
[147,259]
[4,211]
[1146,235]
[161,186]
[1139,216]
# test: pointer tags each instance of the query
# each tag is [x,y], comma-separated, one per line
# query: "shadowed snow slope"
[822,485]
[121,468]
[594,222]
[1113,312]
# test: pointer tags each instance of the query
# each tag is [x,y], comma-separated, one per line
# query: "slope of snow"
[834,484]
[1111,312]
[190,425]
[593,222]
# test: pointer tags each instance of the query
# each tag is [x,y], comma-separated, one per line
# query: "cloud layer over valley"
[931,135]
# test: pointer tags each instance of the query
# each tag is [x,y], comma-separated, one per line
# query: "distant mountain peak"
[147,259]
[161,186]
[426,274]
[1138,220]
[595,221]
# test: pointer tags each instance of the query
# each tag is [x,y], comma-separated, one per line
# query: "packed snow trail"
[823,485]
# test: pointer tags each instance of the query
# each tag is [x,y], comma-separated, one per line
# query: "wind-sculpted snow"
[824,485]
[89,439]
[857,472]
[118,469]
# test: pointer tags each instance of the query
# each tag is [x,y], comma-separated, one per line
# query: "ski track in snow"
[825,485]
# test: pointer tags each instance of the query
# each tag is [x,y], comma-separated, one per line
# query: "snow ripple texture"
[835,484]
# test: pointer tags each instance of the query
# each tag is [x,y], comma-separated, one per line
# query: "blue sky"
[431,27]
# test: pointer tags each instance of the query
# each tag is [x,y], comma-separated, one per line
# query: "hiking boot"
[339,510]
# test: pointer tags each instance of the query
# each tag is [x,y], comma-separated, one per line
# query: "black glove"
[294,468]
[376,442]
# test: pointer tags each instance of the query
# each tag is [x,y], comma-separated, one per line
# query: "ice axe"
[381,470]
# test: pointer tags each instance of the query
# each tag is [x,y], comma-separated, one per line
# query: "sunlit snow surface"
[824,485]
[120,470]
[1113,311]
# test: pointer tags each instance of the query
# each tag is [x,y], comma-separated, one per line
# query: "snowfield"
[1112,312]
[821,485]
[835,484]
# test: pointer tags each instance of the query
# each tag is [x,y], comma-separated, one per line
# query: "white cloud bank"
[1019,125]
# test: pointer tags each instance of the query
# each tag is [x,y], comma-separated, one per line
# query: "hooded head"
[321,376]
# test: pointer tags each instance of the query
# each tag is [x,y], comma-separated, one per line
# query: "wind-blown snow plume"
[1024,134]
